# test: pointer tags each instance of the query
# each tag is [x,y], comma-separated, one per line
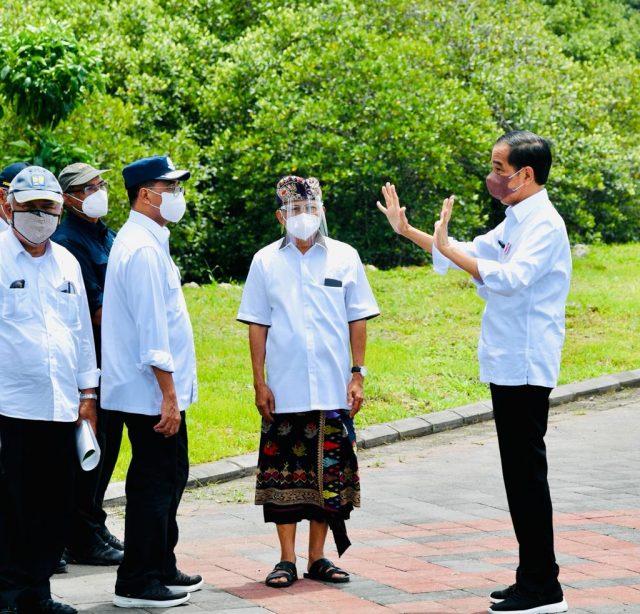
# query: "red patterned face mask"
[498,185]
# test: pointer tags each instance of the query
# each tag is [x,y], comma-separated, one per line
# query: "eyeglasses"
[312,208]
[92,188]
[176,190]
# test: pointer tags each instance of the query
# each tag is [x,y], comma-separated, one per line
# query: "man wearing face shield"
[149,366]
[522,269]
[88,238]
[48,386]
[307,301]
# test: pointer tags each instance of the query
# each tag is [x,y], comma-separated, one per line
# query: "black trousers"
[89,518]
[521,414]
[37,463]
[156,479]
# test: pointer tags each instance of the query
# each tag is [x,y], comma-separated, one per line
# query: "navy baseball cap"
[155,168]
[9,172]
[35,183]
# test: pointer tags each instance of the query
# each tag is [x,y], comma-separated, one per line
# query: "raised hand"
[441,228]
[396,215]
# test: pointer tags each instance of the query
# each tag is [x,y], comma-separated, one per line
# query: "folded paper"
[87,446]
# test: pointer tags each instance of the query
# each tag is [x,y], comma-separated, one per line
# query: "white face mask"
[95,205]
[35,226]
[303,226]
[172,207]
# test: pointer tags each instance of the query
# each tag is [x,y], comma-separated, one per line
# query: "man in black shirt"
[88,238]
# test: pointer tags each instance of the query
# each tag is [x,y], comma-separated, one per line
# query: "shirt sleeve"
[146,282]
[359,299]
[485,246]
[254,306]
[533,258]
[90,376]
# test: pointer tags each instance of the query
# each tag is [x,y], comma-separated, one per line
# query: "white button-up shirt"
[307,301]
[145,322]
[3,224]
[46,339]
[525,265]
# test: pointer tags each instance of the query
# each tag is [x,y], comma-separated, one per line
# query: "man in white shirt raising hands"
[522,269]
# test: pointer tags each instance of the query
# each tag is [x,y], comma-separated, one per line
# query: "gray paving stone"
[444,420]
[219,471]
[248,462]
[469,564]
[475,412]
[561,394]
[628,378]
[415,426]
[596,385]
[377,435]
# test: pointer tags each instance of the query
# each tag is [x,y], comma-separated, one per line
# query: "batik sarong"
[308,469]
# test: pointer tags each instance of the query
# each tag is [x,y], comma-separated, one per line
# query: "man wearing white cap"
[47,388]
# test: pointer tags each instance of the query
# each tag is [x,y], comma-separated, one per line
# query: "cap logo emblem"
[170,164]
[37,180]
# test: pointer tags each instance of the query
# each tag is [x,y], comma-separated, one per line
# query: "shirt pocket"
[174,291]
[69,309]
[331,302]
[16,305]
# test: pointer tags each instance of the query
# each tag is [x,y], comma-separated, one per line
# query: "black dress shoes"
[47,606]
[108,538]
[102,554]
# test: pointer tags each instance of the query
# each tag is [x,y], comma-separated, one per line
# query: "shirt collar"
[286,241]
[16,248]
[98,229]
[524,208]
[161,233]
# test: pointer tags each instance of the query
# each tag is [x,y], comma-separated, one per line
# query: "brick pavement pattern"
[433,534]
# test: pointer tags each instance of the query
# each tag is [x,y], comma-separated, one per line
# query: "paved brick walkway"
[433,534]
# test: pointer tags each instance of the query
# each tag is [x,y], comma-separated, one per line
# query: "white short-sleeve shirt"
[307,301]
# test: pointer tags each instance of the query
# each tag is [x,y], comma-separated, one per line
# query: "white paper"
[87,446]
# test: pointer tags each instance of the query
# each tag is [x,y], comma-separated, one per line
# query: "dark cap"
[78,174]
[155,168]
[9,172]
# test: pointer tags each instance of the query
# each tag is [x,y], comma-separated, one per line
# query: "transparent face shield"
[304,220]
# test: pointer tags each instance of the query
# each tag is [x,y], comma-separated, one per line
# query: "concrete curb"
[416,426]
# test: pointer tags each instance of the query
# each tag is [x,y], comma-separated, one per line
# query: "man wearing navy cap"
[6,177]
[149,366]
[47,388]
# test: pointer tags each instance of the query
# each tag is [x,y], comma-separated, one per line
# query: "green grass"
[421,352]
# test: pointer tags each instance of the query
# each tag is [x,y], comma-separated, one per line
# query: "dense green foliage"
[355,93]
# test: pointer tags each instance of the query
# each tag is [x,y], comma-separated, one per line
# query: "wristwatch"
[85,396]
[360,369]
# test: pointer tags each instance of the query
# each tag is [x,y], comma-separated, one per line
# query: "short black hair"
[132,192]
[528,149]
